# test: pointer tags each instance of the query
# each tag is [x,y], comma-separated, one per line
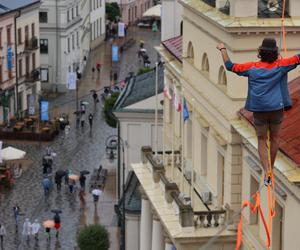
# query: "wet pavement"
[80,150]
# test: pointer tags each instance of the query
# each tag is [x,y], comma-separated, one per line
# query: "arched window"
[222,80]
[190,52]
[205,63]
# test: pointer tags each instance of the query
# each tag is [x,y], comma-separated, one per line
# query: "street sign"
[71,80]
[121,29]
[44,111]
[115,53]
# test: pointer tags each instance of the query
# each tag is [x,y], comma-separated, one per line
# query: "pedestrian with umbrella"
[2,234]
[96,194]
[72,182]
[82,180]
[35,228]
[68,172]
[48,224]
[91,120]
[27,229]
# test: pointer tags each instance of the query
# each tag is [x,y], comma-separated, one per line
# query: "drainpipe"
[16,64]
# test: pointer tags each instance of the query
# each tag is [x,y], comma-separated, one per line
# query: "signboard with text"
[71,80]
[121,29]
[44,111]
[115,53]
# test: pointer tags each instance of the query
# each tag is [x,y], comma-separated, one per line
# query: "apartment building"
[132,11]
[60,43]
[7,63]
[214,165]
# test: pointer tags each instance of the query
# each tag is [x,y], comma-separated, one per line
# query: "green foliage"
[143,70]
[108,106]
[112,11]
[4,182]
[93,237]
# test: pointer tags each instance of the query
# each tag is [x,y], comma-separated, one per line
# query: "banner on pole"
[71,80]
[115,53]
[121,29]
[44,111]
[9,58]
[31,109]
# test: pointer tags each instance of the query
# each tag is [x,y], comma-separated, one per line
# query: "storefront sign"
[121,29]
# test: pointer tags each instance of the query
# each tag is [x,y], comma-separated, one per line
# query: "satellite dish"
[273,5]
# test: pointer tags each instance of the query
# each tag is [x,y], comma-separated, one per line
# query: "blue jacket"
[267,83]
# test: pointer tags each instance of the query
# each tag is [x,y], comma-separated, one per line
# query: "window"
[205,63]
[68,16]
[100,26]
[222,77]
[77,39]
[33,61]
[220,178]
[43,17]
[20,68]
[190,53]
[135,11]
[8,35]
[141,8]
[73,41]
[181,28]
[26,35]
[68,44]
[72,10]
[44,46]
[77,12]
[1,77]
[0,38]
[254,186]
[129,14]
[32,30]
[203,154]
[27,65]
[97,27]
[19,36]
[277,228]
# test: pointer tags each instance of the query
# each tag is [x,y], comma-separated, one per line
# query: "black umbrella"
[56,211]
[84,172]
[60,173]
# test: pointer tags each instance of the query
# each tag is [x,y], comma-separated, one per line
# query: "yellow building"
[210,161]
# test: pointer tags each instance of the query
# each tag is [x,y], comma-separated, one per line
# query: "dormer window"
[272,8]
[212,3]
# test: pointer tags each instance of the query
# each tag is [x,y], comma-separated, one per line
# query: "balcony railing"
[31,44]
[173,196]
[33,76]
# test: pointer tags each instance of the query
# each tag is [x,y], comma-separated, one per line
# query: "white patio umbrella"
[154,11]
[10,154]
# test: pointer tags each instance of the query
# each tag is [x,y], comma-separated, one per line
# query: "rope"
[283,35]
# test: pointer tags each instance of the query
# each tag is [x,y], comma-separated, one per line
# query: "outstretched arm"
[223,50]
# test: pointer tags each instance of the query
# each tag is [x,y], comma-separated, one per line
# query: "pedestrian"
[91,120]
[93,72]
[98,67]
[57,223]
[2,234]
[48,230]
[27,229]
[268,95]
[95,98]
[16,210]
[96,192]
[35,228]
[68,172]
[58,180]
[82,120]
[72,185]
[67,131]
[82,180]
[46,185]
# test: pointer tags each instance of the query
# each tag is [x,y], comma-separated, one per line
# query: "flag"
[167,90]
[185,113]
[176,97]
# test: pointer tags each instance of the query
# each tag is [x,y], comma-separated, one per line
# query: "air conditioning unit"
[207,197]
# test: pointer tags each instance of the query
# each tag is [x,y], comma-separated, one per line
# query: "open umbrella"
[85,103]
[97,192]
[48,223]
[60,173]
[56,211]
[10,154]
[74,177]
[84,172]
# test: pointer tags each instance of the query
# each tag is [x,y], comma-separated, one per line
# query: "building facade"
[97,22]
[7,64]
[213,165]
[132,11]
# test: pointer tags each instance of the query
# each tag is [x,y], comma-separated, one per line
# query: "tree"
[93,237]
[112,11]
[108,106]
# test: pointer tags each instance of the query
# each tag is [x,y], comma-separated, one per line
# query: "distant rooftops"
[10,5]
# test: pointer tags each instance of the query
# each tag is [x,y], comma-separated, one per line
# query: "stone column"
[157,235]
[146,222]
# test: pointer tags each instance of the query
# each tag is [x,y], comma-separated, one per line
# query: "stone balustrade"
[209,219]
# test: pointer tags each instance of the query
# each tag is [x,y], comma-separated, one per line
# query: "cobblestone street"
[81,150]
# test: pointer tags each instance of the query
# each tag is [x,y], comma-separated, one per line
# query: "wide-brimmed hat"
[269,44]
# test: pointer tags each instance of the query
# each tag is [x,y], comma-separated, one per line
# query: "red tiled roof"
[290,130]
[174,46]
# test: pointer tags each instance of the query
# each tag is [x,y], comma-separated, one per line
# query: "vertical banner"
[31,109]
[44,111]
[115,53]
[71,80]
[0,151]
[121,29]
[9,58]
